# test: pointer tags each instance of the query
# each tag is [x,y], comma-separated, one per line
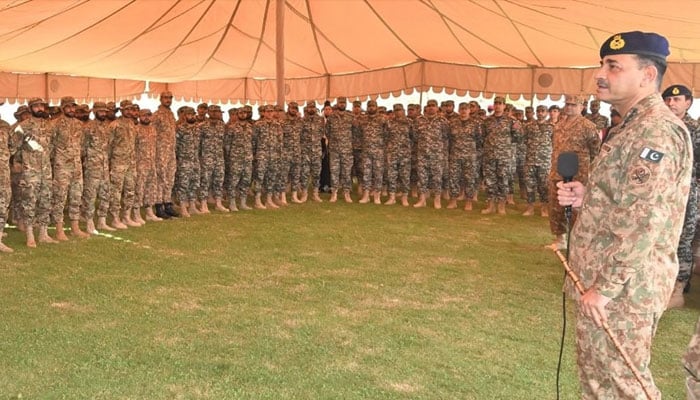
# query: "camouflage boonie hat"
[21,110]
[125,104]
[293,104]
[398,107]
[111,106]
[35,100]
[67,101]
[463,105]
[83,107]
[99,106]
[248,108]
[214,108]
[167,93]
[187,110]
[371,103]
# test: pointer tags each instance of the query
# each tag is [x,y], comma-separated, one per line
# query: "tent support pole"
[279,54]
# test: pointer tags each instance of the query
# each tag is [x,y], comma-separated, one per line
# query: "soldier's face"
[341,105]
[242,115]
[678,105]
[399,113]
[145,119]
[449,108]
[464,112]
[357,110]
[166,101]
[498,107]
[101,115]
[571,109]
[541,113]
[473,108]
[595,107]
[431,109]
[554,115]
[191,118]
[619,78]
[529,113]
[371,108]
[37,110]
[217,115]
[412,112]
[69,110]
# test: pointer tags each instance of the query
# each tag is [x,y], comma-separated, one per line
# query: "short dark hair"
[658,63]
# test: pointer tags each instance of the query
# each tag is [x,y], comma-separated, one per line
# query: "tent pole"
[279,54]
[532,88]
[422,87]
[46,87]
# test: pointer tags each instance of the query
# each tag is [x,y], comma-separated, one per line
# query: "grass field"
[314,301]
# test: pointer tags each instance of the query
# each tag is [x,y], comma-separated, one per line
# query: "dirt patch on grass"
[404,387]
[186,305]
[70,307]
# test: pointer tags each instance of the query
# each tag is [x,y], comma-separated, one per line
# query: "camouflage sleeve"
[593,142]
[516,131]
[647,177]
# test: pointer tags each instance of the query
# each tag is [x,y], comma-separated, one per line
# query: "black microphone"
[567,167]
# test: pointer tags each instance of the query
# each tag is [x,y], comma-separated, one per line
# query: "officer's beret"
[35,100]
[499,99]
[431,102]
[99,106]
[676,90]
[575,98]
[167,93]
[398,107]
[67,100]
[641,43]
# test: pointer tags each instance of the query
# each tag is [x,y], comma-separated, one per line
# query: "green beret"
[640,43]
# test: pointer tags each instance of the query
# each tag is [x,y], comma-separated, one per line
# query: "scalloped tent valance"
[226,50]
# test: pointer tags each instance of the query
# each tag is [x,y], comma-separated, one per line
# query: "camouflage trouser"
[537,182]
[557,219]
[212,176]
[310,169]
[498,173]
[414,166]
[36,196]
[357,164]
[241,171]
[289,172]
[685,245]
[341,168]
[121,187]
[187,178]
[165,180]
[264,174]
[95,187]
[373,170]
[603,373]
[398,171]
[145,190]
[16,201]
[446,167]
[691,362]
[463,175]
[430,172]
[67,184]
[5,196]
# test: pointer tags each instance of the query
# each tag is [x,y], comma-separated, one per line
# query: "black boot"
[160,212]
[170,210]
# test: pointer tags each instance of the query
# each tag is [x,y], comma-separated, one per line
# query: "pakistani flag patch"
[651,155]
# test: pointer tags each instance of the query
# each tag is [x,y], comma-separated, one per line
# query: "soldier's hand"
[570,193]
[592,305]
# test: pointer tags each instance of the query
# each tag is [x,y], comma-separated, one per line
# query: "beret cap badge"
[617,43]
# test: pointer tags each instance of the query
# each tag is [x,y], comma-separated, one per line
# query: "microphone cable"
[567,215]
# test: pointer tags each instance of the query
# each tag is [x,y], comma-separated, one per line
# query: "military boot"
[232,205]
[452,204]
[219,206]
[258,202]
[377,198]
[365,197]
[490,209]
[510,200]
[168,208]
[304,196]
[184,206]
[243,202]
[60,232]
[346,195]
[3,247]
[269,203]
[468,205]
[295,197]
[315,197]
[334,195]
[126,219]
[75,230]
[102,225]
[404,199]
[421,201]
[193,210]
[137,216]
[530,210]
[90,228]
[392,199]
[502,207]
[29,233]
[151,216]
[544,211]
[43,235]
[437,202]
[283,199]
[204,207]
[677,300]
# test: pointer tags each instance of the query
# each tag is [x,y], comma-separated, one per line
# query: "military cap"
[357,103]
[371,102]
[398,107]
[541,107]
[167,93]
[35,100]
[111,106]
[677,90]
[136,106]
[145,111]
[233,110]
[432,102]
[248,108]
[636,42]
[449,102]
[279,108]
[463,105]
[67,100]
[381,109]
[21,110]
[84,107]
[213,108]
[125,104]
[595,101]
[413,106]
[443,103]
[99,106]
[293,104]
[575,98]
[310,103]
[554,107]
[341,100]
[203,105]
[187,110]
[53,110]
[499,99]
[181,109]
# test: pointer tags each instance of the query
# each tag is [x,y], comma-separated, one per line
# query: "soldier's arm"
[593,142]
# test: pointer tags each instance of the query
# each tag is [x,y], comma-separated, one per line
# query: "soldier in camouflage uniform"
[312,133]
[264,147]
[164,122]
[373,127]
[691,362]
[538,161]
[475,112]
[679,98]
[413,112]
[500,132]
[573,133]
[145,152]
[212,159]
[21,114]
[431,131]
[465,133]
[96,170]
[398,155]
[340,147]
[202,110]
[357,114]
[32,144]
[292,125]
[187,142]
[624,242]
[239,144]
[600,121]
[448,112]
[279,184]
[122,166]
[520,150]
[5,194]
[67,134]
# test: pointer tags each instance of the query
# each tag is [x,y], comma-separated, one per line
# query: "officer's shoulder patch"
[651,155]
[640,175]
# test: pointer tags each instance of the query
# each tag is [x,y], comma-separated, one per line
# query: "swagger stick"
[581,290]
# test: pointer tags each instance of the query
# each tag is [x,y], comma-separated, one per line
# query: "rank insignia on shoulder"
[651,155]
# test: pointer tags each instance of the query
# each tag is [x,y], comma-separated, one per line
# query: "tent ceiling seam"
[379,17]
[454,35]
[262,35]
[517,29]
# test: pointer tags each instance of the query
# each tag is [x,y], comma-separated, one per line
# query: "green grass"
[318,301]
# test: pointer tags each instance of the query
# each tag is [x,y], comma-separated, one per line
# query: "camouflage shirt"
[398,141]
[339,130]
[67,141]
[600,121]
[625,239]
[499,135]
[538,139]
[464,136]
[579,135]
[95,144]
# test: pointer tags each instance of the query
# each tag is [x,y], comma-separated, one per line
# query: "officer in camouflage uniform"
[431,133]
[264,147]
[164,122]
[465,133]
[96,170]
[600,121]
[624,242]
[500,132]
[538,161]
[212,159]
[373,127]
[21,114]
[312,133]
[340,146]
[5,194]
[679,98]
[398,155]
[145,149]
[239,138]
[292,125]
[357,114]
[122,166]
[573,133]
[187,140]
[520,150]
[32,144]
[279,185]
[202,110]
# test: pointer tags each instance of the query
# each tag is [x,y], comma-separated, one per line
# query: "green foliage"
[318,301]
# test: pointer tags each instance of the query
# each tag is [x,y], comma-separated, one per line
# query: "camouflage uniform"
[122,163]
[312,133]
[146,186]
[187,152]
[691,362]
[67,168]
[623,244]
[450,117]
[600,121]
[163,121]
[431,135]
[211,159]
[239,142]
[538,159]
[265,145]
[291,150]
[15,174]
[357,143]
[277,154]
[398,154]
[340,148]
[685,246]
[95,167]
[373,132]
[573,134]
[499,135]
[5,193]
[464,136]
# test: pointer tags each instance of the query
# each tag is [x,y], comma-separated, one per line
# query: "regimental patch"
[651,155]
[640,175]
